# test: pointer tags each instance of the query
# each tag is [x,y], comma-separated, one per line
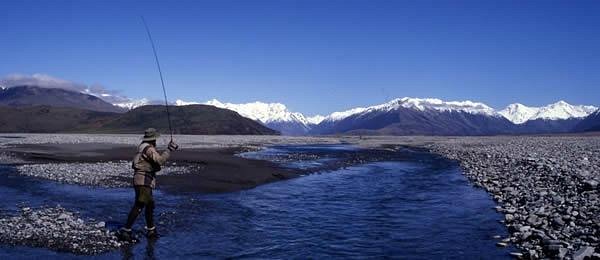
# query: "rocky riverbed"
[547,187]
[57,229]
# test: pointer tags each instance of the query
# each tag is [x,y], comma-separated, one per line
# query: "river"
[420,207]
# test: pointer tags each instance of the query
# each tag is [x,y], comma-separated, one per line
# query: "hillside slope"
[196,119]
[27,96]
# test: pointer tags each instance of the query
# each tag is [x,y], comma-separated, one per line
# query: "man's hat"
[150,134]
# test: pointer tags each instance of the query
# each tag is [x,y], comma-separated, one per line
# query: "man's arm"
[153,155]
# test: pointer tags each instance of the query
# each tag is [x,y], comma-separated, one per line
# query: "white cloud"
[40,80]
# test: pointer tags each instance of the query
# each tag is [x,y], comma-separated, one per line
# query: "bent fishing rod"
[162,81]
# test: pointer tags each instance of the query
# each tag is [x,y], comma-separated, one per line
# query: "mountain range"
[33,109]
[401,116]
[428,116]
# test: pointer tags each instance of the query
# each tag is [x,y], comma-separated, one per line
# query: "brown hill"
[194,119]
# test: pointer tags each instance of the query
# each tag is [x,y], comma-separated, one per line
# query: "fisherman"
[146,163]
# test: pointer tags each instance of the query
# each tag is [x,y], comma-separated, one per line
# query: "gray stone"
[509,218]
[590,185]
[582,253]
[516,255]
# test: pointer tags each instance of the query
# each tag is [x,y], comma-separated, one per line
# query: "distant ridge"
[561,110]
[190,119]
[559,117]
[412,116]
[24,96]
[400,116]
[198,119]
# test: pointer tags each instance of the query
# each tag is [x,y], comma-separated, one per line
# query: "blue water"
[415,208]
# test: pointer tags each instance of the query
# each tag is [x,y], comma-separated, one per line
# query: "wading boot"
[151,233]
[126,235]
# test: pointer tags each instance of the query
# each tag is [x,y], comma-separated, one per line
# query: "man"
[146,163]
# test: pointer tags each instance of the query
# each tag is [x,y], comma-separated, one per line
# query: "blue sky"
[314,56]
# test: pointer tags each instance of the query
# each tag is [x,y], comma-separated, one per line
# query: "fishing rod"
[162,81]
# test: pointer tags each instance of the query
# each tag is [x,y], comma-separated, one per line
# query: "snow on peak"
[315,120]
[263,112]
[336,116]
[519,114]
[132,103]
[563,110]
[180,102]
[420,104]
[423,104]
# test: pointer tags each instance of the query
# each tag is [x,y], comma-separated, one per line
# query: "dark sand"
[219,170]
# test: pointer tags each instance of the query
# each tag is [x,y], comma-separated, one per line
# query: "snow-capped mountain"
[130,104]
[467,117]
[274,115]
[423,104]
[420,104]
[409,116]
[118,100]
[263,112]
[561,110]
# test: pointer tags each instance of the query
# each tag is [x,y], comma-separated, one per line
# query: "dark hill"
[195,119]
[26,96]
[192,119]
[46,119]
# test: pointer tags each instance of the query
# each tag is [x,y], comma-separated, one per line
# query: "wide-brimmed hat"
[150,134]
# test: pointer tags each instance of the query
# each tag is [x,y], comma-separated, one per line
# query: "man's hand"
[173,146]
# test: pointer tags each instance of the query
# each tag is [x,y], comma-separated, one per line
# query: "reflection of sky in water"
[300,157]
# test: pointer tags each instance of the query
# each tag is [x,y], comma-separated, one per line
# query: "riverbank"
[547,187]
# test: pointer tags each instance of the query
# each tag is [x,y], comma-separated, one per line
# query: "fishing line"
[162,81]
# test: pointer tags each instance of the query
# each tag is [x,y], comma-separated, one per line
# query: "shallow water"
[420,207]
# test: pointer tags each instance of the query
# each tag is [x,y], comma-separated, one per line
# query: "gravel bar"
[547,188]
[103,174]
[57,229]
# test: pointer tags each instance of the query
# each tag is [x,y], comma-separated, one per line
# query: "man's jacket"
[146,162]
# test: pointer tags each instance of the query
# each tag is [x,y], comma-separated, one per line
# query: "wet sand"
[218,169]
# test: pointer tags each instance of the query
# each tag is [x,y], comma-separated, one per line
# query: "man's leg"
[135,211]
[125,233]
[150,215]
[133,214]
